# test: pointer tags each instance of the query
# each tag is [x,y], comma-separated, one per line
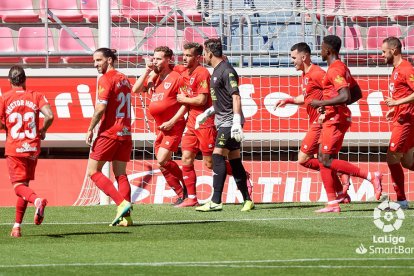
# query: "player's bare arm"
[97,115]
[343,97]
[198,100]
[298,100]
[47,122]
[391,102]
[139,85]
[170,123]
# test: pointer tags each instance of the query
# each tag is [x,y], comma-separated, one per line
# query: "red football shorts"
[21,169]
[107,149]
[171,139]
[402,138]
[310,144]
[202,139]
[332,137]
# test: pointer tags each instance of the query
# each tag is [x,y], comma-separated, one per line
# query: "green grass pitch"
[273,239]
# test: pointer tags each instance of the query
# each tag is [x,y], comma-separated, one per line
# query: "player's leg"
[165,146]
[397,173]
[189,147]
[337,136]
[309,148]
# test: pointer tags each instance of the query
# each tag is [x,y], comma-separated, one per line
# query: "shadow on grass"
[63,235]
[161,223]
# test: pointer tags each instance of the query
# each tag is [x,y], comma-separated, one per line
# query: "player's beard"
[389,60]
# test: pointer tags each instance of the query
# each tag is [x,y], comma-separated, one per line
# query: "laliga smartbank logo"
[388,217]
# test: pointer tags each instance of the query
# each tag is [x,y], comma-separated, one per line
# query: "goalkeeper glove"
[201,118]
[236,129]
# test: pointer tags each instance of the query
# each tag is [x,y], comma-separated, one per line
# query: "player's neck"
[216,61]
[397,61]
[307,67]
[191,70]
[164,73]
[23,87]
[331,59]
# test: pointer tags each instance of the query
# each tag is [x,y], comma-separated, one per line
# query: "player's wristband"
[236,119]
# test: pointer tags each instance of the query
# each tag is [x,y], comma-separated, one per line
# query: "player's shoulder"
[179,68]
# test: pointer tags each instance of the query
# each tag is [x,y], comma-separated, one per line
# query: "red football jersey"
[164,103]
[114,90]
[337,77]
[19,110]
[198,82]
[312,89]
[401,86]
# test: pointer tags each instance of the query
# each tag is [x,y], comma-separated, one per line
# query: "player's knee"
[326,161]
[186,160]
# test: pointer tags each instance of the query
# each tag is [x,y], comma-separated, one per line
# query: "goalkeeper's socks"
[105,185]
[239,174]
[219,177]
[25,192]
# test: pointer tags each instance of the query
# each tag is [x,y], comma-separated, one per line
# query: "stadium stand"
[65,10]
[162,36]
[192,35]
[7,45]
[18,11]
[69,43]
[123,39]
[400,10]
[365,11]
[32,39]
[89,9]
[188,7]
[141,11]
[375,36]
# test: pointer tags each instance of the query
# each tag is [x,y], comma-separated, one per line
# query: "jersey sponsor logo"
[391,88]
[192,81]
[100,90]
[167,85]
[339,79]
[233,83]
[213,94]
[26,148]
[203,84]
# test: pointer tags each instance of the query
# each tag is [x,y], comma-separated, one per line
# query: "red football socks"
[347,168]
[397,175]
[312,163]
[173,175]
[328,182]
[26,193]
[123,187]
[21,206]
[190,179]
[106,185]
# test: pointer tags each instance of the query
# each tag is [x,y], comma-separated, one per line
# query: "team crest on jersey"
[306,81]
[167,85]
[214,79]
[192,81]
[395,75]
[339,79]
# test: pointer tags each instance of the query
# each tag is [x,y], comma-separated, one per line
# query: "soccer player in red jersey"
[164,85]
[113,142]
[195,94]
[19,115]
[312,76]
[338,85]
[401,147]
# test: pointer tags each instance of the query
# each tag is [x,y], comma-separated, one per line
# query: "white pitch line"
[236,264]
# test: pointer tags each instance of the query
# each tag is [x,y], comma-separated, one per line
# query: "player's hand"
[279,103]
[89,137]
[181,98]
[166,126]
[200,119]
[390,101]
[390,114]
[321,118]
[236,129]
[149,65]
[42,134]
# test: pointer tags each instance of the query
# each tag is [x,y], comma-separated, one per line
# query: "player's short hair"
[17,76]
[194,45]
[166,50]
[333,41]
[214,46]
[393,42]
[301,47]
[106,52]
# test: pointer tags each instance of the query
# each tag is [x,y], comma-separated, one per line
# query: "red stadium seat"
[7,45]
[191,34]
[188,7]
[141,11]
[89,9]
[329,10]
[65,10]
[401,10]
[17,11]
[68,43]
[123,39]
[32,39]
[365,11]
[163,36]
[352,41]
[409,40]
[375,36]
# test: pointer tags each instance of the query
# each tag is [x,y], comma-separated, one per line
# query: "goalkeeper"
[229,118]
